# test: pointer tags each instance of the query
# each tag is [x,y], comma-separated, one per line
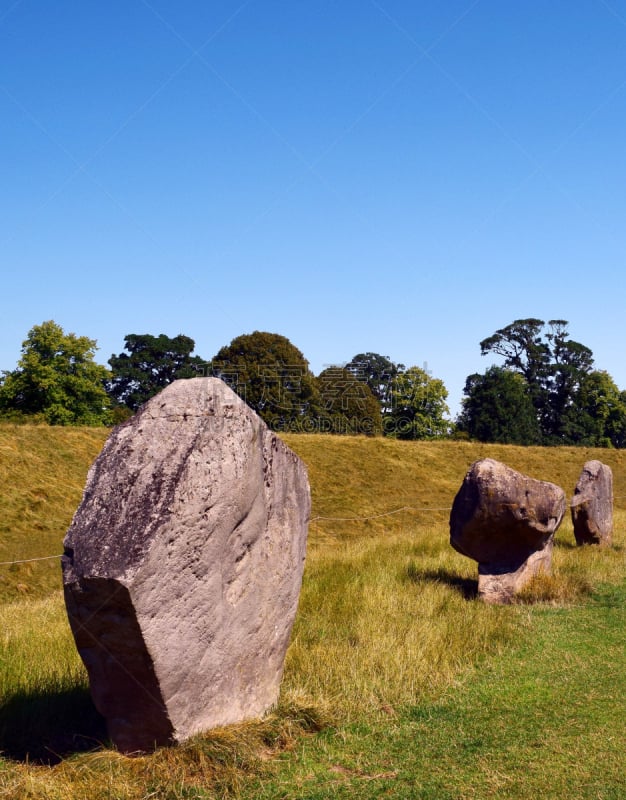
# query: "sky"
[390,176]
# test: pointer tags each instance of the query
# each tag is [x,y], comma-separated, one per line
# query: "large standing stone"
[183,566]
[592,505]
[506,521]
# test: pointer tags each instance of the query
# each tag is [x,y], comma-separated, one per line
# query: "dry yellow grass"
[378,473]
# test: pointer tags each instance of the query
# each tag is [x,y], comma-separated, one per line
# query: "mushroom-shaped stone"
[506,522]
[592,505]
[183,566]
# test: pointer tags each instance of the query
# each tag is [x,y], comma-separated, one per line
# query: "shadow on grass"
[468,587]
[565,544]
[44,728]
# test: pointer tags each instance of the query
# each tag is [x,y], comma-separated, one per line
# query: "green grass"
[547,719]
[398,681]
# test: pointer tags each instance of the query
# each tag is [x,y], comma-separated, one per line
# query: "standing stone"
[183,566]
[592,505]
[506,522]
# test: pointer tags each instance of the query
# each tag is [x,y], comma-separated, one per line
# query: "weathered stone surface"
[592,505]
[506,522]
[183,566]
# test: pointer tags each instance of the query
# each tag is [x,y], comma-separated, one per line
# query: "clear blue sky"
[385,175]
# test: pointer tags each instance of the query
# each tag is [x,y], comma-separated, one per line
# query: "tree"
[378,372]
[523,350]
[418,406]
[521,346]
[57,378]
[598,416]
[498,408]
[348,405]
[552,365]
[571,364]
[150,364]
[274,379]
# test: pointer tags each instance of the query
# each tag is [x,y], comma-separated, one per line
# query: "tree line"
[545,392]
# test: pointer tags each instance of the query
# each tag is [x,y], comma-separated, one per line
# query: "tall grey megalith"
[183,566]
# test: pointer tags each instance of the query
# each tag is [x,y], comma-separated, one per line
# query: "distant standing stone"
[183,566]
[592,505]
[506,522]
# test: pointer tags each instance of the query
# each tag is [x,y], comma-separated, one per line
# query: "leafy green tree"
[274,379]
[616,426]
[525,351]
[552,365]
[150,364]
[597,418]
[348,405]
[521,346]
[498,408]
[378,372]
[419,406]
[571,364]
[57,379]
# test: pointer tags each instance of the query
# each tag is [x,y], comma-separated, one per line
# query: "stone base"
[498,583]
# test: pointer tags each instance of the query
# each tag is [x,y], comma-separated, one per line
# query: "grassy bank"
[398,682]
[42,474]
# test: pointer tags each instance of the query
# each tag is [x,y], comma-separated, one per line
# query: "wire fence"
[28,560]
[313,519]
[318,518]
[378,516]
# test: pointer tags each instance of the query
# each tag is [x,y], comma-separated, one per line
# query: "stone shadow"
[564,544]
[46,727]
[467,587]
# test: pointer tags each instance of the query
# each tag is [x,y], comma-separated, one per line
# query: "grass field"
[398,682]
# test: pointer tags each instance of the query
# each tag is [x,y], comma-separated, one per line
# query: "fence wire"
[318,518]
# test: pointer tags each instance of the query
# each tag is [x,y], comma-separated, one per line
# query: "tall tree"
[498,408]
[273,377]
[571,362]
[597,418]
[348,405]
[149,365]
[521,346]
[419,406]
[378,372]
[524,350]
[552,365]
[57,378]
